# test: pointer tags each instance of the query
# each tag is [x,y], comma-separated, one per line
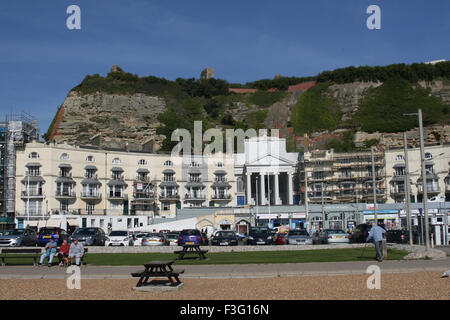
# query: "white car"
[336,236]
[138,238]
[119,238]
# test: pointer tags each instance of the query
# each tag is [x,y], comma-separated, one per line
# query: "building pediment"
[270,160]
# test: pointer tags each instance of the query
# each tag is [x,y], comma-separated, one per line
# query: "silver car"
[336,236]
[298,236]
[154,239]
[18,237]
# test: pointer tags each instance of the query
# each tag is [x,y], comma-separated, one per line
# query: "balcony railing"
[194,197]
[221,197]
[168,196]
[32,193]
[91,195]
[65,194]
[117,195]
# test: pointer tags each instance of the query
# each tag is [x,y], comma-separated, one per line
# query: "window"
[219,164]
[194,164]
[142,162]
[33,155]
[428,156]
[165,206]
[399,157]
[64,156]
[90,159]
[116,161]
[168,163]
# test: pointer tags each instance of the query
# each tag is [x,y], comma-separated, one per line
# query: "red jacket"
[65,249]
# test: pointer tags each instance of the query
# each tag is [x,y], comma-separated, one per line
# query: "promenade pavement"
[231,271]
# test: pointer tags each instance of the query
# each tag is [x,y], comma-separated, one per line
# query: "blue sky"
[41,60]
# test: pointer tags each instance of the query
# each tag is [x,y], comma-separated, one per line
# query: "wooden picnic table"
[191,249]
[158,269]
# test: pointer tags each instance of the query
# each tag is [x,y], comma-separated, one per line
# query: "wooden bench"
[16,253]
[157,269]
[191,249]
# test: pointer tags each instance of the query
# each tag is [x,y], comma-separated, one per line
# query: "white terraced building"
[75,182]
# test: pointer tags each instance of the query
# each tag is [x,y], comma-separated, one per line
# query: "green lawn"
[257,257]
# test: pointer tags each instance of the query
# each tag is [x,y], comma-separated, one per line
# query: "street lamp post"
[424,177]
[306,196]
[407,190]
[374,186]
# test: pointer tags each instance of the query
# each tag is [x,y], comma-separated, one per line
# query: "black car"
[89,236]
[361,232]
[259,235]
[225,238]
[401,236]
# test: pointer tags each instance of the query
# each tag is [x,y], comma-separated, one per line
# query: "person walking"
[76,251]
[50,251]
[377,234]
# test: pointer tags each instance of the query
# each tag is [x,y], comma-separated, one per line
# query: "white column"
[248,188]
[263,191]
[290,200]
[276,188]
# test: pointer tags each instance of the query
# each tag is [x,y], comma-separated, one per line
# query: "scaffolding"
[20,129]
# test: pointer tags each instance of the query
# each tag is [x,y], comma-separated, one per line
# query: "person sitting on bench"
[50,251]
[63,252]
[76,251]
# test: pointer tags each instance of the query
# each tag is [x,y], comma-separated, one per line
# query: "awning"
[142,170]
[65,165]
[53,223]
[168,171]
[117,169]
[90,168]
[73,222]
[220,172]
[33,164]
[116,183]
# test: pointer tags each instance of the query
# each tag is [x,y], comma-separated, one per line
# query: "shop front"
[390,218]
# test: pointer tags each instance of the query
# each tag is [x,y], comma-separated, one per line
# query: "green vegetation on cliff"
[383,108]
[315,110]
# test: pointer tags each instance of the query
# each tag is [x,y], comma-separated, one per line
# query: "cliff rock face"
[110,120]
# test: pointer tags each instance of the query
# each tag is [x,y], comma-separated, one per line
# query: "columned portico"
[269,171]
[262,189]
[277,189]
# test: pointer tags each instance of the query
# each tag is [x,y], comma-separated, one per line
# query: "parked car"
[119,238]
[154,239]
[225,238]
[360,233]
[45,233]
[298,236]
[18,237]
[173,238]
[137,241]
[280,238]
[259,235]
[336,236]
[89,236]
[398,236]
[190,237]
